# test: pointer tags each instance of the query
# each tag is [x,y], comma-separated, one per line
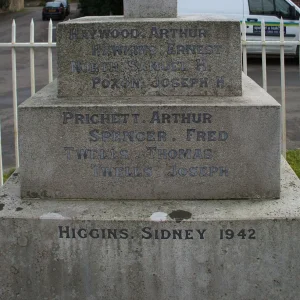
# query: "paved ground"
[41,29]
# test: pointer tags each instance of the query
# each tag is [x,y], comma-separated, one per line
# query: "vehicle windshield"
[279,8]
[265,7]
[282,7]
[63,2]
[53,4]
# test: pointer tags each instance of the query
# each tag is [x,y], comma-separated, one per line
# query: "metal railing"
[13,45]
[32,45]
[264,43]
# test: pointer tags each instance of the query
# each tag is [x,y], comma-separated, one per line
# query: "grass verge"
[7,174]
[293,158]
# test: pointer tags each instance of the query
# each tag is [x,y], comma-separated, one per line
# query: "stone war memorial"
[150,169]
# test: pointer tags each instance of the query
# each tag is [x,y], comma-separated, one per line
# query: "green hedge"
[4,4]
[101,7]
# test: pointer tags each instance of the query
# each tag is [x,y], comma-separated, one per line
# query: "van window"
[282,8]
[261,7]
[279,8]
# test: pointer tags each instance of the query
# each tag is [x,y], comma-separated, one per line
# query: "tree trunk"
[16,5]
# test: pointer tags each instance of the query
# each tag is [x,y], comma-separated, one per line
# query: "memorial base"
[150,250]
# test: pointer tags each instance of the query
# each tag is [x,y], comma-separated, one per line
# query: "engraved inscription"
[153,58]
[104,171]
[157,153]
[127,136]
[174,33]
[121,50]
[96,34]
[193,49]
[180,82]
[99,34]
[109,152]
[148,233]
[202,171]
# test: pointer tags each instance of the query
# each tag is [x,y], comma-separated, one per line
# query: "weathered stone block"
[150,250]
[150,148]
[150,9]
[116,56]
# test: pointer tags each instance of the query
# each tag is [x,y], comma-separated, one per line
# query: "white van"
[253,11]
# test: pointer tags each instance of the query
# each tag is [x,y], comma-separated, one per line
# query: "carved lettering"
[127,136]
[148,233]
[157,153]
[111,156]
[163,33]
[123,50]
[202,171]
[175,49]
[158,117]
[115,83]
[122,171]
[206,136]
[180,82]
[94,34]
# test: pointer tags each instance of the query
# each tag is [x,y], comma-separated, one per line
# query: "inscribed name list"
[112,56]
[137,151]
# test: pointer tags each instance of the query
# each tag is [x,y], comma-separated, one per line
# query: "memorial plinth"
[117,56]
[150,108]
[150,148]
[153,110]
[150,250]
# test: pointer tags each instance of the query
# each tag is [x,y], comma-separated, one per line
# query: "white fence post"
[1,164]
[244,40]
[32,71]
[282,71]
[264,55]
[50,70]
[14,86]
